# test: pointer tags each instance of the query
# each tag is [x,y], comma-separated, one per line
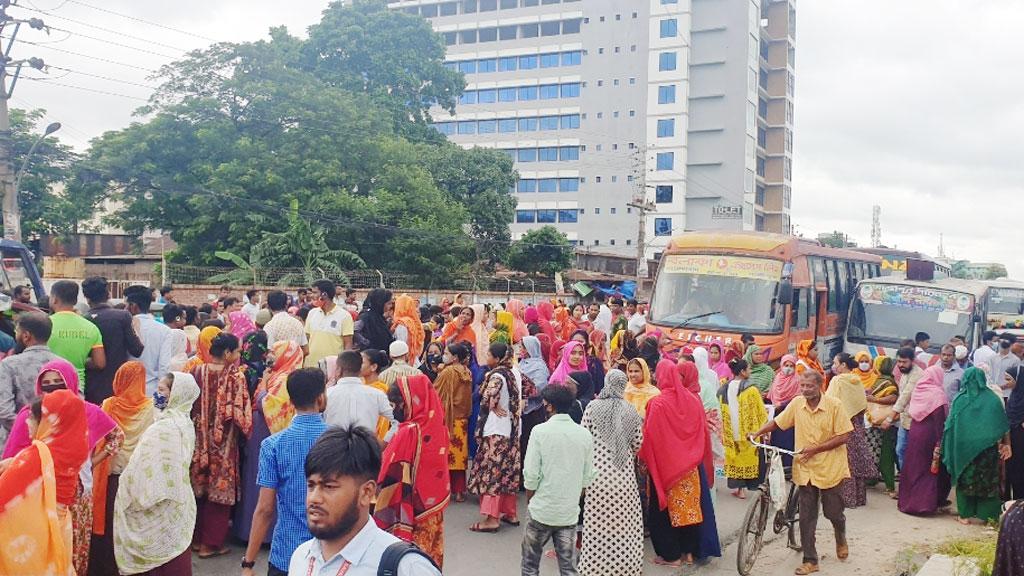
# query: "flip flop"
[478,528]
[510,522]
[215,553]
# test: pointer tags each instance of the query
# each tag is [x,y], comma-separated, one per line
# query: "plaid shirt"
[282,468]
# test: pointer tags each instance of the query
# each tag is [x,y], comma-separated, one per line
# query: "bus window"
[833,286]
[842,272]
[802,298]
[15,273]
[817,271]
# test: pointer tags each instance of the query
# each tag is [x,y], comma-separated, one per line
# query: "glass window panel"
[527,155]
[570,121]
[507,32]
[487,126]
[667,94]
[489,96]
[528,93]
[550,28]
[570,90]
[666,160]
[467,66]
[566,153]
[488,35]
[468,97]
[571,26]
[527,185]
[569,184]
[527,62]
[568,216]
[508,64]
[467,127]
[663,194]
[487,65]
[507,125]
[667,61]
[527,124]
[549,154]
[547,185]
[546,216]
[662,226]
[529,31]
[548,91]
[507,95]
[669,28]
[526,216]
[666,128]
[549,60]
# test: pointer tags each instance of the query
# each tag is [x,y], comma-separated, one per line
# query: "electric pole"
[642,206]
[11,210]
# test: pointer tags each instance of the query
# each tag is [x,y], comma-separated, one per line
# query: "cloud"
[911,106]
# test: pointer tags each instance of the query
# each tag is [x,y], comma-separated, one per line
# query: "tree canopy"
[541,251]
[337,126]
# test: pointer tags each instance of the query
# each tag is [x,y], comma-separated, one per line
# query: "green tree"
[54,198]
[544,250]
[995,272]
[837,239]
[959,269]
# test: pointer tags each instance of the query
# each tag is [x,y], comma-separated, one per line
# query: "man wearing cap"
[399,352]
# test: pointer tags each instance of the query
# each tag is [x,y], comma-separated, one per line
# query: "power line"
[101,77]
[101,28]
[86,89]
[73,53]
[118,44]
[143,21]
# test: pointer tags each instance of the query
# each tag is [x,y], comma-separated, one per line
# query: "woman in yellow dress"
[454,387]
[743,413]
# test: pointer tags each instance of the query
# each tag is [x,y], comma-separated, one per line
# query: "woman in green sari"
[975,438]
[881,397]
[761,373]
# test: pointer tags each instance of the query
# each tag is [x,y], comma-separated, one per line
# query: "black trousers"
[831,505]
[1015,465]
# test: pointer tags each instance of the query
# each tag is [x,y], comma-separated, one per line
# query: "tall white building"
[605,105]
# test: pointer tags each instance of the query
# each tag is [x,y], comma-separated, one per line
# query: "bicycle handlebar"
[773,448]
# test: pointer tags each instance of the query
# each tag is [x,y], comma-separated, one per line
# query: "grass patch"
[980,550]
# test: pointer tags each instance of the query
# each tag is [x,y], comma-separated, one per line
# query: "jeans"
[901,445]
[534,539]
[831,505]
[275,571]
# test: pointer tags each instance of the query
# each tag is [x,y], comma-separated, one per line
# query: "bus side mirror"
[786,292]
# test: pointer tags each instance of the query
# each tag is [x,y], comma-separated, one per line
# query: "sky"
[914,105]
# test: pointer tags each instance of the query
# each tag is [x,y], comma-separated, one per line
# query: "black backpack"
[393,556]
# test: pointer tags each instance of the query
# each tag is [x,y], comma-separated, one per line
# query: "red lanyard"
[341,571]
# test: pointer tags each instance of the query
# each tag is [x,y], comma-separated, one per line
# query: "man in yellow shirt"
[329,327]
[822,430]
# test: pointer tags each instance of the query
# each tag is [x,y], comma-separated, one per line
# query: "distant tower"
[876,226]
[942,247]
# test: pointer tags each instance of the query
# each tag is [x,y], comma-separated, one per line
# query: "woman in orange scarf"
[518,310]
[408,328]
[414,483]
[206,336]
[807,357]
[272,394]
[38,485]
[133,412]
[460,329]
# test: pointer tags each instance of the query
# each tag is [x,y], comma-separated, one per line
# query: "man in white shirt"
[252,305]
[283,326]
[158,344]
[341,478]
[350,402]
[1002,361]
[987,350]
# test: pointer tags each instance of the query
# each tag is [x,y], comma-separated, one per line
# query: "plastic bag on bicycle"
[777,481]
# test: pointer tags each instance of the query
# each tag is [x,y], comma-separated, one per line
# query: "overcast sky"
[913,105]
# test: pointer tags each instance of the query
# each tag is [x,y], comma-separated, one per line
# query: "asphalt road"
[879,538]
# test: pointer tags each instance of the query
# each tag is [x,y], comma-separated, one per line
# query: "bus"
[19,269]
[1005,306]
[713,287]
[886,311]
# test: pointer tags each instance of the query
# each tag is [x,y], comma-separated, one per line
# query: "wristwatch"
[247,564]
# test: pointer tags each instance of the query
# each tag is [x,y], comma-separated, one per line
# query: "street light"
[24,165]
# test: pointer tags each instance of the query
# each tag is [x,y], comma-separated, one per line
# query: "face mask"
[159,400]
[435,358]
[865,366]
[788,371]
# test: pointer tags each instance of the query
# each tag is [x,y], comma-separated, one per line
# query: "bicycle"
[751,537]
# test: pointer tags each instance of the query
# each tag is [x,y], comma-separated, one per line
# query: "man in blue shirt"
[282,475]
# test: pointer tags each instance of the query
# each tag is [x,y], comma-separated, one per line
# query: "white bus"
[1005,306]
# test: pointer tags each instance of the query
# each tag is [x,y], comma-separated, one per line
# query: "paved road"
[879,536]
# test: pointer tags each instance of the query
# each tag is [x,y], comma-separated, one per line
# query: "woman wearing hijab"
[881,397]
[563,324]
[481,334]
[716,360]
[865,370]
[574,358]
[271,403]
[675,444]
[460,329]
[223,418]
[743,413]
[709,384]
[254,360]
[372,329]
[535,376]
[546,319]
[639,390]
[848,389]
[517,309]
[454,386]
[784,388]
[408,328]
[599,349]
[807,357]
[496,466]
[39,484]
[414,484]
[105,440]
[613,531]
[241,325]
[667,375]
[761,373]
[155,509]
[133,411]
[583,385]
[206,336]
[433,361]
[1013,379]
[922,492]
[649,350]
[974,440]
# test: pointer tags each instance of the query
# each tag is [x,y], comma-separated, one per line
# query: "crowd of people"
[338,432]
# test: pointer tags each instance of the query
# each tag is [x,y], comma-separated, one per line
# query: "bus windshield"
[1006,301]
[729,293]
[891,313]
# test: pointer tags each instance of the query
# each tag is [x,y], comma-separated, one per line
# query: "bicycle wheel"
[793,519]
[752,534]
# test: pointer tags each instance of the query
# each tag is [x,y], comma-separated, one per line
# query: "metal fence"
[362,279]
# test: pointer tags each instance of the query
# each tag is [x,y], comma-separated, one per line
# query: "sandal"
[483,530]
[215,553]
[510,522]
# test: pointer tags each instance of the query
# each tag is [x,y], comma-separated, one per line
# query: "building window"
[467,127]
[528,93]
[550,28]
[527,62]
[507,125]
[568,216]
[669,2]
[666,128]
[667,94]
[662,226]
[468,97]
[487,126]
[663,194]
[526,216]
[570,90]
[549,60]
[488,64]
[570,121]
[669,28]
[547,154]
[547,216]
[527,155]
[489,96]
[467,67]
[573,58]
[506,95]
[666,160]
[526,186]
[508,64]
[488,35]
[567,153]
[667,61]
[549,122]
[547,185]
[507,32]
[548,91]
[571,26]
[614,210]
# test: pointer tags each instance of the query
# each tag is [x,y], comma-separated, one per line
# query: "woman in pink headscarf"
[922,492]
[105,440]
[718,362]
[517,308]
[574,359]
[784,388]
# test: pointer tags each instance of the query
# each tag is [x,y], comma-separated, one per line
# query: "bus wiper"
[684,323]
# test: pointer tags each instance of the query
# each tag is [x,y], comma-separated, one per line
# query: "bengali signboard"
[729,266]
[917,297]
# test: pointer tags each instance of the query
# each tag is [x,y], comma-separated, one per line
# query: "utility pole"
[642,206]
[11,210]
